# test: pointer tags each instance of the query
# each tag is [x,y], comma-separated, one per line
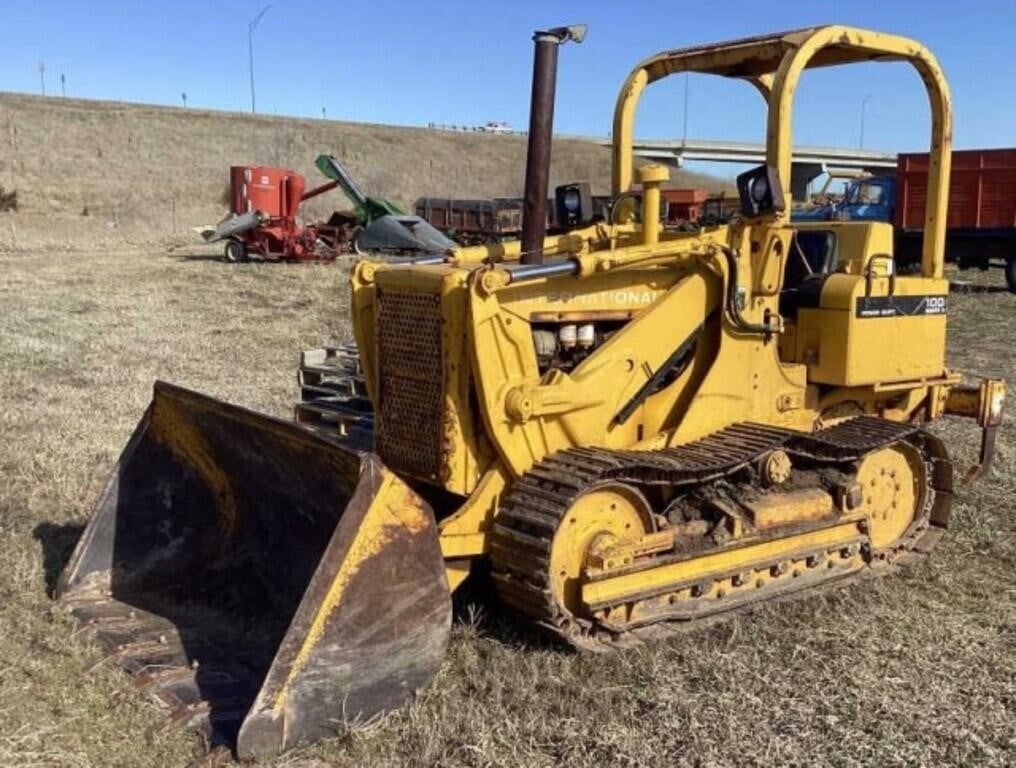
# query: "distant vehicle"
[496,126]
[832,191]
[981,223]
[869,199]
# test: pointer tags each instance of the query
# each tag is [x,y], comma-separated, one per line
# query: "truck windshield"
[865,193]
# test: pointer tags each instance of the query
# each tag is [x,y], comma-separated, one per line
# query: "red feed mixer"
[262,221]
[264,203]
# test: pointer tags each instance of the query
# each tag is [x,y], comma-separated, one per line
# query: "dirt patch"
[918,669]
[8,200]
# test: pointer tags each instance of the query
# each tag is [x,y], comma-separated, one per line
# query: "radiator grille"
[411,376]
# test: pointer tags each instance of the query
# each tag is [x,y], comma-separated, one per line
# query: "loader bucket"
[265,582]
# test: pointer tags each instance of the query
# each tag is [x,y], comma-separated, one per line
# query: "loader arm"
[674,373]
[529,417]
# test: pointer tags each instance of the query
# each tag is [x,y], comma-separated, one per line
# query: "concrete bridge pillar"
[801,175]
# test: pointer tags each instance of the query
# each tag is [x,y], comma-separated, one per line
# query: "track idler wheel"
[893,484]
[602,516]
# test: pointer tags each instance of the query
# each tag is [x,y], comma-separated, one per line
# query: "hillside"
[94,174]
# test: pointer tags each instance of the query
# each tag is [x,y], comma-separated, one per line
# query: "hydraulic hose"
[733,310]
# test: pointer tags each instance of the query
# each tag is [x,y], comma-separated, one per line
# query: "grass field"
[117,180]
[918,669]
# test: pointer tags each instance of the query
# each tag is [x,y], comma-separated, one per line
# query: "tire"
[357,248]
[235,251]
[1010,273]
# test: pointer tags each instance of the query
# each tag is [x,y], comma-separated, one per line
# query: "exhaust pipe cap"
[574,32]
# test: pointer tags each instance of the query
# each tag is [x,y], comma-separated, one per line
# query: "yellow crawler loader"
[634,428]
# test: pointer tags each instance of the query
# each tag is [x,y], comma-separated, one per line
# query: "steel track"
[538,502]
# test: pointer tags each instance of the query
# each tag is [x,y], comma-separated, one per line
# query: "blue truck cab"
[871,199]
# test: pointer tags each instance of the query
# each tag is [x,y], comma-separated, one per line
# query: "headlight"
[572,204]
[760,191]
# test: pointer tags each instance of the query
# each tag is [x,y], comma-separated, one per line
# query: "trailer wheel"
[1010,273]
[235,251]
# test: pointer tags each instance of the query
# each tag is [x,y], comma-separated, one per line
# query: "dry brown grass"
[919,669]
[108,174]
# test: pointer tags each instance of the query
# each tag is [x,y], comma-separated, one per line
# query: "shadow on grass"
[198,257]
[474,603]
[57,542]
[475,608]
[253,260]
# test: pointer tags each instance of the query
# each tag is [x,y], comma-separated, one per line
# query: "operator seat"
[811,260]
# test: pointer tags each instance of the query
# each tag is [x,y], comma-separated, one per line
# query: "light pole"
[42,76]
[864,104]
[251,26]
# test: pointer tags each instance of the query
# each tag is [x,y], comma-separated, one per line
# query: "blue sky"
[466,62]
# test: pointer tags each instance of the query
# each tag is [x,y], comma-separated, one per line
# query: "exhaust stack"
[541,129]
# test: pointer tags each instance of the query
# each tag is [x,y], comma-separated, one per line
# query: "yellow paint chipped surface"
[394,507]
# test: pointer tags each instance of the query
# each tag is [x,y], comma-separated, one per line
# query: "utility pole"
[63,85]
[184,97]
[251,26]
[42,76]
[864,103]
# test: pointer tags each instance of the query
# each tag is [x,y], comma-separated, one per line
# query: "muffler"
[541,134]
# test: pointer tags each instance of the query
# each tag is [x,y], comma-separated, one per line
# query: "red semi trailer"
[981,225]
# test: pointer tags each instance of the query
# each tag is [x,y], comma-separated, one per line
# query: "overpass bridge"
[808,162]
